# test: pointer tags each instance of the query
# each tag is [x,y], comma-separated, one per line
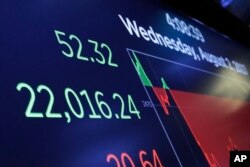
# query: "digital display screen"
[118,84]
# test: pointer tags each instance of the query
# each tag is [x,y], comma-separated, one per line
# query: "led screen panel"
[118,83]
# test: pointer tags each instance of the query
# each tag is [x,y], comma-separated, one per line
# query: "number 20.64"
[99,57]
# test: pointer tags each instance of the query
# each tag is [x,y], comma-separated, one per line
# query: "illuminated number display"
[146,160]
[118,84]
[181,26]
[68,51]
[128,109]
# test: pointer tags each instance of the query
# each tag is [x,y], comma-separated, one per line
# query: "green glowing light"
[67,116]
[100,56]
[79,52]
[28,112]
[49,113]
[95,43]
[123,116]
[103,45]
[164,85]
[62,42]
[144,78]
[78,110]
[93,115]
[66,92]
[101,104]
[132,107]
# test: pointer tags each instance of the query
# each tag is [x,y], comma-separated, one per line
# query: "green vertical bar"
[164,85]
[140,71]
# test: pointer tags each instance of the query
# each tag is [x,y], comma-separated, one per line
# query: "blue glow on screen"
[225,3]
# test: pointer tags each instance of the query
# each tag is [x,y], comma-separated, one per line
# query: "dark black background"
[214,16]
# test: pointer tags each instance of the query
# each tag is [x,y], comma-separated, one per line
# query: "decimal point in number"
[67,116]
[92,59]
[117,116]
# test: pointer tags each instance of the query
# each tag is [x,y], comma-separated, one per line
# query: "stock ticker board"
[118,84]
